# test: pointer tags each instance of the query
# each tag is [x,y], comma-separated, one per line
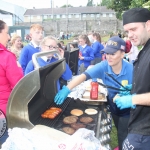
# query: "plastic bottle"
[94,90]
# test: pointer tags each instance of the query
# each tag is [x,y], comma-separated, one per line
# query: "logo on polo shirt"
[124,82]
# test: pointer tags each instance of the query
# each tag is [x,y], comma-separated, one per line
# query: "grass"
[113,137]
[105,38]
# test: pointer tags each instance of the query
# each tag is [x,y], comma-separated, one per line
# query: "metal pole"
[52,8]
[67,17]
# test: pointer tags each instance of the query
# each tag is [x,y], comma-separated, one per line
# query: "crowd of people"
[119,58]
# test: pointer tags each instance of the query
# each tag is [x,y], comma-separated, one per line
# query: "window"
[28,17]
[76,16]
[31,17]
[69,16]
[38,17]
[45,16]
[84,15]
[104,15]
[110,15]
[57,16]
[63,16]
[98,15]
[92,15]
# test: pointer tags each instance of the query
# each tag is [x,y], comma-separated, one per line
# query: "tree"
[90,3]
[147,5]
[105,2]
[64,6]
[119,6]
[137,3]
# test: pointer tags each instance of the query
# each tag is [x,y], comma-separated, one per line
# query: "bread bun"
[91,111]
[76,112]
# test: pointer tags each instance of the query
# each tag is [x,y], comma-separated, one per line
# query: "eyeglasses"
[52,47]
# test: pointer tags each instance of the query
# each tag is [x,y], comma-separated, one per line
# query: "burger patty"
[68,130]
[70,119]
[86,120]
[76,126]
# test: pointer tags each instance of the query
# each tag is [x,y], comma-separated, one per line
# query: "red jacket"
[10,74]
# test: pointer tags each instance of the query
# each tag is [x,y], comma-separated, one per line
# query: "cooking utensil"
[116,81]
[111,87]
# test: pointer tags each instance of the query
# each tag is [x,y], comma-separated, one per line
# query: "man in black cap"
[136,23]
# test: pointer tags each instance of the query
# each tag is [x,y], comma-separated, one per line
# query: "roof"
[71,10]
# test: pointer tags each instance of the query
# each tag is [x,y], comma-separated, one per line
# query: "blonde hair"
[47,38]
[35,26]
[14,38]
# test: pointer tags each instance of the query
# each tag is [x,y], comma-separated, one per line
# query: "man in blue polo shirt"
[119,69]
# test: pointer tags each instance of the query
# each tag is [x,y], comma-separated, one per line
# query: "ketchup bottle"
[94,90]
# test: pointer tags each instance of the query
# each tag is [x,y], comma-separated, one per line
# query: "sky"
[47,3]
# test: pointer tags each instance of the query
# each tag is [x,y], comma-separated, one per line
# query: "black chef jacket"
[139,122]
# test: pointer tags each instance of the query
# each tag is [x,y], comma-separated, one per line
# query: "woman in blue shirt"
[97,47]
[119,69]
[85,54]
[47,44]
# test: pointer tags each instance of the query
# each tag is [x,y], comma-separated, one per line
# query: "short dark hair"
[2,25]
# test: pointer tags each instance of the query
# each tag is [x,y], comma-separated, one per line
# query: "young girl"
[85,54]
[97,47]
[16,45]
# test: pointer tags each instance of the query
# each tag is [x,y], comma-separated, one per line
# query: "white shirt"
[34,45]
[134,52]
[84,46]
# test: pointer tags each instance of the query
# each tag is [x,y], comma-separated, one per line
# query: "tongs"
[111,87]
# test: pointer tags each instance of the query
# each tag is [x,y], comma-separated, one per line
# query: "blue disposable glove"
[124,102]
[126,92]
[61,95]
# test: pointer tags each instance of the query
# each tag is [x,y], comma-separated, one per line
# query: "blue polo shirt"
[67,74]
[98,71]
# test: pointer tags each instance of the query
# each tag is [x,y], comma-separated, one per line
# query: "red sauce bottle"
[94,91]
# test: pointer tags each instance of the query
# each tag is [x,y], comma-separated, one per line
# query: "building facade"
[11,13]
[70,13]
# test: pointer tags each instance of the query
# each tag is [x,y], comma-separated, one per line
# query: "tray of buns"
[78,117]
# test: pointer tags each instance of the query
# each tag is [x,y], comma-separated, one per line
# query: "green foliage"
[137,3]
[113,137]
[64,6]
[90,3]
[119,6]
[105,2]
[147,5]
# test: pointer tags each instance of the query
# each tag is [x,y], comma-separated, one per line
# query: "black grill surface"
[51,122]
[66,107]
[77,104]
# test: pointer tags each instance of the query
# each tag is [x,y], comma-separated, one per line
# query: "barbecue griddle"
[35,93]
[77,104]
